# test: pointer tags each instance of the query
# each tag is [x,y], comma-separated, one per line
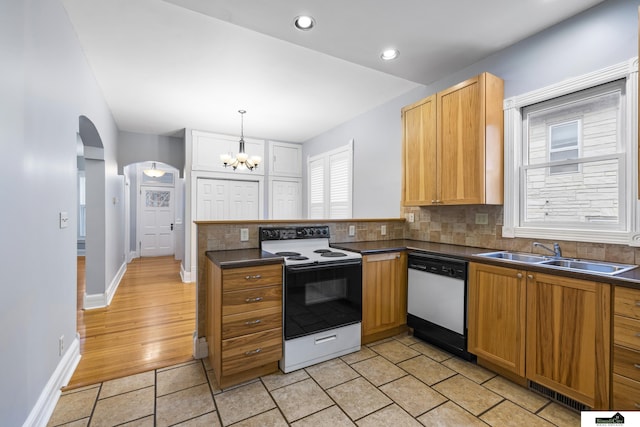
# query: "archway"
[95,208]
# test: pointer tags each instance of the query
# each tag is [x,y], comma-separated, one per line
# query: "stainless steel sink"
[598,267]
[515,256]
[590,266]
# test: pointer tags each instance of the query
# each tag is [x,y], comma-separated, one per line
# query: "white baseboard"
[103,300]
[94,301]
[185,275]
[132,255]
[113,286]
[43,409]
[200,347]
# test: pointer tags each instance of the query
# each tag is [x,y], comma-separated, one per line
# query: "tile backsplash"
[457,225]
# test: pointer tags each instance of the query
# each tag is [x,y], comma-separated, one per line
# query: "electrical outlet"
[244,234]
[60,345]
[383,230]
[410,217]
[482,218]
[352,230]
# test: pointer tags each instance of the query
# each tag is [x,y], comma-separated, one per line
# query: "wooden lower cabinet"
[496,316]
[626,350]
[568,337]
[552,330]
[384,295]
[244,321]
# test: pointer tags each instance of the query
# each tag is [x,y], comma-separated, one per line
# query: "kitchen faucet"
[557,252]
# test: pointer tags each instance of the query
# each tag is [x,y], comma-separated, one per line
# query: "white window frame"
[513,147]
[326,160]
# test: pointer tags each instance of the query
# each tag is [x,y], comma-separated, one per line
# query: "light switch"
[64,219]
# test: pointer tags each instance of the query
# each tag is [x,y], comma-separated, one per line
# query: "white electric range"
[322,295]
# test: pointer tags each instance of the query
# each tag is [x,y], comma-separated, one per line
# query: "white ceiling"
[164,65]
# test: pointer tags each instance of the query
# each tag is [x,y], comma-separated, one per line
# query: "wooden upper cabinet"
[419,152]
[453,145]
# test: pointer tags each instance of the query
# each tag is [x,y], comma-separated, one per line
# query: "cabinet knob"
[249,353]
[257,276]
[529,276]
[519,275]
[256,299]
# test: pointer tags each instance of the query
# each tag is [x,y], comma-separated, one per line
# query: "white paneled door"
[286,199]
[156,221]
[220,199]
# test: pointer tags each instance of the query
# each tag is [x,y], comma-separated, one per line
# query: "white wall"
[599,37]
[46,85]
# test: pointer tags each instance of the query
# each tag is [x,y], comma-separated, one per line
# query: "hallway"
[148,325]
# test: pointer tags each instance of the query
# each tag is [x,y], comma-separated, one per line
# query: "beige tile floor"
[396,382]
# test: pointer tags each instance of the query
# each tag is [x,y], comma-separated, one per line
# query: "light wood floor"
[148,325]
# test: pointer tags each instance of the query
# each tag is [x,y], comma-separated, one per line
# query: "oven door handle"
[323,266]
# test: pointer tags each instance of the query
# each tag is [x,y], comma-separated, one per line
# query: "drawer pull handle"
[325,339]
[638,334]
[256,277]
[249,353]
[637,405]
[637,303]
[253,322]
[256,299]
[636,365]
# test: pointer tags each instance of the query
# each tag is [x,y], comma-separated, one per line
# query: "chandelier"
[242,160]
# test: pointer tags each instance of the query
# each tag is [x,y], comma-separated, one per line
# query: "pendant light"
[153,172]
[242,159]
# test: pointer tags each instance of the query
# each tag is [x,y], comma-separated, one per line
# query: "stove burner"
[288,254]
[297,258]
[321,251]
[333,254]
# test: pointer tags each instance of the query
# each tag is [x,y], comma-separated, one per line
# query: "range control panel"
[290,233]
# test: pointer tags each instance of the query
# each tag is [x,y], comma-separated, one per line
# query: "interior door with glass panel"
[156,221]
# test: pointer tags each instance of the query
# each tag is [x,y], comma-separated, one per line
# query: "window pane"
[588,124]
[573,199]
[564,135]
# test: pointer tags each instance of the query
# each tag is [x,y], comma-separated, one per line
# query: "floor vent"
[558,397]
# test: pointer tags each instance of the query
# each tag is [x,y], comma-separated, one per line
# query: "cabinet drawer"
[626,393]
[627,302]
[251,321]
[626,332]
[250,351]
[251,299]
[251,277]
[626,362]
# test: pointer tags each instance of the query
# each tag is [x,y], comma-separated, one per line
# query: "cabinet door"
[419,153]
[460,134]
[568,337]
[285,159]
[384,292]
[496,314]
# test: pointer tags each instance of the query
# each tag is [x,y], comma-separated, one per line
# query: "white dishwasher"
[437,301]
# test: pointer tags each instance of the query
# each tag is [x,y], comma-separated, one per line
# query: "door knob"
[171,226]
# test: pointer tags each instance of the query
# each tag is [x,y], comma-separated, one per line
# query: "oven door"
[320,297]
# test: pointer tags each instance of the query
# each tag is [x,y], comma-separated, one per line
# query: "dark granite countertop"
[243,258]
[629,279]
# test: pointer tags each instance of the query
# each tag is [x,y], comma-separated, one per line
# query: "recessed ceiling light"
[389,54]
[304,22]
